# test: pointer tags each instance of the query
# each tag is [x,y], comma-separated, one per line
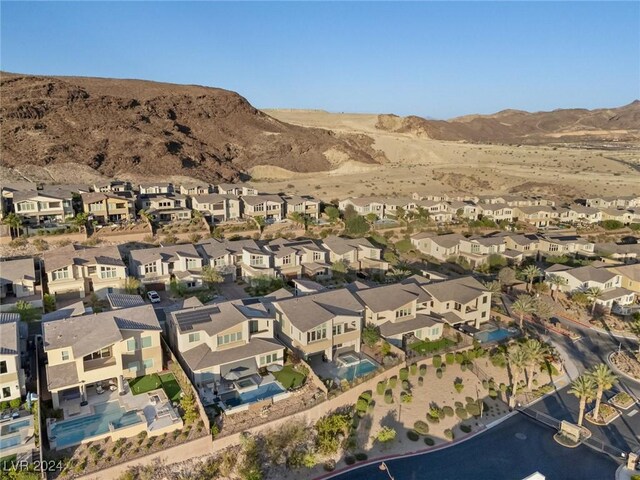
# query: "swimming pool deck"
[332,369]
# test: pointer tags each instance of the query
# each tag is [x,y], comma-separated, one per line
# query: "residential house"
[113,186]
[565,244]
[108,207]
[358,253]
[582,279]
[497,211]
[195,189]
[12,345]
[74,271]
[211,341]
[19,282]
[526,244]
[430,196]
[270,207]
[614,202]
[478,249]
[217,207]
[576,213]
[294,258]
[365,205]
[392,206]
[629,276]
[40,207]
[401,312]
[324,324]
[236,189]
[88,351]
[624,252]
[441,247]
[539,215]
[158,267]
[305,205]
[156,188]
[165,207]
[624,216]
[464,209]
[438,210]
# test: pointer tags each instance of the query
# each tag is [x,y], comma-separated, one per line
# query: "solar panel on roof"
[186,319]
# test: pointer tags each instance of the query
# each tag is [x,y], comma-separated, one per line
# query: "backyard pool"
[14,427]
[74,431]
[252,396]
[495,335]
[8,442]
[356,369]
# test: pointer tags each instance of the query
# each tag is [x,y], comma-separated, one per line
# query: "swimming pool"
[8,442]
[74,431]
[261,393]
[14,427]
[356,369]
[493,335]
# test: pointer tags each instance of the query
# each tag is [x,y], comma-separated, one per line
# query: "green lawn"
[154,381]
[425,346]
[289,378]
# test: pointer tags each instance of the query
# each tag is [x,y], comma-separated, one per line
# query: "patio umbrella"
[232,375]
[274,367]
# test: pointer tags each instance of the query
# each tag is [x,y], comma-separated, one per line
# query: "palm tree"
[543,308]
[593,294]
[584,388]
[534,352]
[260,222]
[14,222]
[522,306]
[530,273]
[494,288]
[145,215]
[517,362]
[556,281]
[604,379]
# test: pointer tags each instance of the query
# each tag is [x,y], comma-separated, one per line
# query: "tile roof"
[84,256]
[201,357]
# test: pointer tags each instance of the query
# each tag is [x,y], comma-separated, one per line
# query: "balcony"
[98,363]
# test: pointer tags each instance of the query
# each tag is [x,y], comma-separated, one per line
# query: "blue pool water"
[356,370]
[261,393]
[8,442]
[493,335]
[14,427]
[74,431]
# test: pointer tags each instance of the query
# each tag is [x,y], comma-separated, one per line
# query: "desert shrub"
[405,385]
[381,387]
[420,381]
[461,413]
[458,404]
[406,397]
[448,434]
[421,427]
[473,409]
[423,370]
[465,428]
[393,381]
[413,369]
[433,420]
[459,358]
[404,374]
[439,373]
[450,358]
[463,367]
[366,395]
[493,393]
[413,436]
[329,466]
[388,397]
[448,411]
[437,361]
[349,460]
[429,441]
[361,456]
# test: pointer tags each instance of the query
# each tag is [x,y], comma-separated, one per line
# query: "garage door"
[158,287]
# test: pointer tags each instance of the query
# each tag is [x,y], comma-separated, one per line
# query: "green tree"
[386,434]
[522,306]
[507,276]
[556,282]
[340,267]
[132,285]
[80,220]
[494,289]
[535,353]
[604,379]
[584,388]
[178,289]
[211,277]
[188,405]
[356,226]
[517,362]
[145,216]
[329,430]
[593,294]
[530,273]
[260,222]
[543,308]
[371,218]
[332,212]
[49,303]
[26,311]
[299,219]
[14,222]
[370,334]
[349,212]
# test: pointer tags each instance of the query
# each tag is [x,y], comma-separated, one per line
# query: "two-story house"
[441,247]
[304,205]
[217,207]
[538,215]
[158,188]
[295,258]
[158,267]
[358,254]
[236,189]
[195,189]
[496,211]
[76,271]
[113,186]
[88,351]
[225,345]
[40,207]
[109,207]
[19,282]
[438,210]
[400,311]
[270,207]
[365,205]
[324,324]
[165,207]
[12,378]
[477,249]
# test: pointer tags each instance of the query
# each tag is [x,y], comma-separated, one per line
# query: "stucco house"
[158,267]
[12,345]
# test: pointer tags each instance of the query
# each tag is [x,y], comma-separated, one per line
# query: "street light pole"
[383,467]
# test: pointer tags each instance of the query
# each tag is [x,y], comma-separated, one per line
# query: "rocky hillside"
[515,126]
[132,127]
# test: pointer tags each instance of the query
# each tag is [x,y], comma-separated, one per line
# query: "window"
[484,299]
[419,333]
[194,337]
[96,207]
[131,345]
[259,208]
[27,207]
[435,331]
[146,342]
[483,314]
[318,256]
[286,260]
[253,326]
[219,262]
[148,363]
[150,268]
[3,366]
[134,366]
[60,274]
[457,306]
[403,312]
[229,338]
[192,263]
[6,392]
[65,355]
[108,272]
[337,329]
[256,260]
[270,358]
[319,333]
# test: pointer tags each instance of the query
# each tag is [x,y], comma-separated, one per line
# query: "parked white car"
[153,296]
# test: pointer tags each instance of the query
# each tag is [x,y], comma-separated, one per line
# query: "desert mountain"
[515,126]
[133,127]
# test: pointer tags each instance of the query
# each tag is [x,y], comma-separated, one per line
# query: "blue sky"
[432,59]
